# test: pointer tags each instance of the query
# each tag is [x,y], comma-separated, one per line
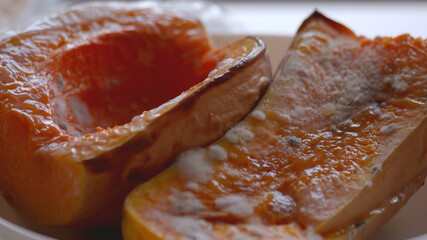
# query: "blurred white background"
[369,18]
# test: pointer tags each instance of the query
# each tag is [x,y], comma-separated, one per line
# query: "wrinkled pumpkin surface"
[339,137]
[92,104]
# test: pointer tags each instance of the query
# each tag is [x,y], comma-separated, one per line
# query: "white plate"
[410,222]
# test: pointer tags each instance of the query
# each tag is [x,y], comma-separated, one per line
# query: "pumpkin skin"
[100,98]
[333,149]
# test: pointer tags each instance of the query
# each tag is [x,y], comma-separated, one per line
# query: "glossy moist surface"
[97,67]
[74,74]
[337,108]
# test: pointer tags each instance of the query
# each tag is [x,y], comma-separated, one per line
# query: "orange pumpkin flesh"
[73,86]
[333,149]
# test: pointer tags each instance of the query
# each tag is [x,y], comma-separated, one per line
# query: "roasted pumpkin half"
[336,145]
[91,105]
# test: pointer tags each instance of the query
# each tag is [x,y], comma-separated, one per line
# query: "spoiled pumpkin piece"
[97,99]
[323,158]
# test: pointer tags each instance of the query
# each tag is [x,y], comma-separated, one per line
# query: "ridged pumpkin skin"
[334,148]
[85,109]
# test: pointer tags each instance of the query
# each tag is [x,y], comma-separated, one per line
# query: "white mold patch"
[239,134]
[194,165]
[217,152]
[257,114]
[235,204]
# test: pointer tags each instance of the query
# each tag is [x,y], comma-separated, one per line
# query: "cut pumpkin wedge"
[334,148]
[73,141]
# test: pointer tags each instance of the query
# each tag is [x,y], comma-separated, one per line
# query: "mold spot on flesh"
[235,205]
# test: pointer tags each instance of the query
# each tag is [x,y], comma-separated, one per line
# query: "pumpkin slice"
[333,149]
[73,141]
